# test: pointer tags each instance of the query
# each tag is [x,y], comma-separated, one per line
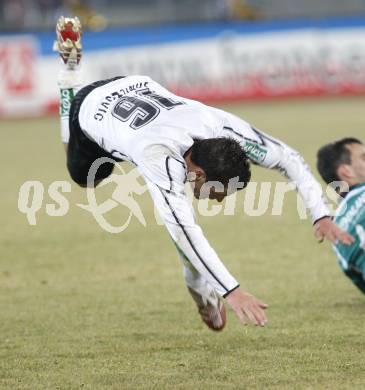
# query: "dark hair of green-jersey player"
[342,160]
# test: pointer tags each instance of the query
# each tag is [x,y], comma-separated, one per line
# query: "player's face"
[357,152]
[217,195]
[203,190]
[212,189]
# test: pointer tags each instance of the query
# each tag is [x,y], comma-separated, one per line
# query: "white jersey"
[136,119]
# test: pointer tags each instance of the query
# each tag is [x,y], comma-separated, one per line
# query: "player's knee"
[82,176]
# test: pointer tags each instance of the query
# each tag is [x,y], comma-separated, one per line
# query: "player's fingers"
[249,314]
[260,319]
[319,235]
[241,316]
[331,236]
[260,315]
[317,232]
[262,304]
[337,232]
[345,238]
[256,315]
[351,238]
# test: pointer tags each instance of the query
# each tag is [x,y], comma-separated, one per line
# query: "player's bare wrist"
[321,218]
[231,291]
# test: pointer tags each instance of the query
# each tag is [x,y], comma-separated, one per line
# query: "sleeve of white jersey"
[178,216]
[268,152]
[292,165]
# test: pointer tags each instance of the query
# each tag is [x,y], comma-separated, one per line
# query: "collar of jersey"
[354,187]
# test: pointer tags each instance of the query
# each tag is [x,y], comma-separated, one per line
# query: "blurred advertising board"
[209,64]
[18,80]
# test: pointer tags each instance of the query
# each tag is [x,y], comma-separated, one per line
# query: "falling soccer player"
[170,138]
[344,161]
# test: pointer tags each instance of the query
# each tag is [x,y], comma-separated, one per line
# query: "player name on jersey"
[105,104]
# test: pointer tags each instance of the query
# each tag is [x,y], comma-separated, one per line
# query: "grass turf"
[81,308]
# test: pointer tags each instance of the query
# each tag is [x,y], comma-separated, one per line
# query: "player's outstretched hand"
[248,308]
[326,228]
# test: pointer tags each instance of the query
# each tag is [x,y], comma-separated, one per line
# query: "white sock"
[197,283]
[69,82]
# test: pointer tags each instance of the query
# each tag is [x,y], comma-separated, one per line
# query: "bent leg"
[81,151]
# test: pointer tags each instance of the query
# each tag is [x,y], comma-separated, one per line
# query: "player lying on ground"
[344,160]
[167,137]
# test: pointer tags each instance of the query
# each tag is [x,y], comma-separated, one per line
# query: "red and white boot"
[68,43]
[211,309]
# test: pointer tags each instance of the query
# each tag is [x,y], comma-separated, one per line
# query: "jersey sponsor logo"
[67,96]
[254,151]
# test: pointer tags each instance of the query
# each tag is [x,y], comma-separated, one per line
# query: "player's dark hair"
[331,156]
[221,159]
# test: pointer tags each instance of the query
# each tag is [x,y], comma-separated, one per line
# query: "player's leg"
[69,46]
[210,305]
[81,151]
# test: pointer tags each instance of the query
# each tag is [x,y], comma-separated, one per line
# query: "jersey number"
[142,109]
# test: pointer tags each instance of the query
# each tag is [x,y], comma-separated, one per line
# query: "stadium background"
[84,308]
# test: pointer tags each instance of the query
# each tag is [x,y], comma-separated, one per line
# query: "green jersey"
[350,216]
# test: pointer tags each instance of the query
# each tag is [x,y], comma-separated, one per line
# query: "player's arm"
[177,214]
[291,164]
[268,152]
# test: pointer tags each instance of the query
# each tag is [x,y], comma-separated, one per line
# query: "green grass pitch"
[81,308]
